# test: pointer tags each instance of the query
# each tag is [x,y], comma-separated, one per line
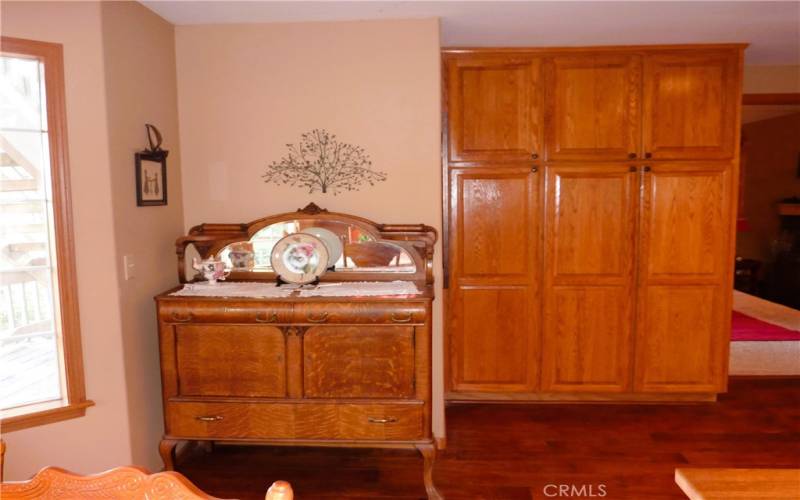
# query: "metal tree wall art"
[321,162]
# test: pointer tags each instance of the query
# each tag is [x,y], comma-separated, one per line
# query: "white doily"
[234,289]
[360,289]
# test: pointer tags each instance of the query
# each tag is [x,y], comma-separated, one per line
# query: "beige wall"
[771,79]
[246,90]
[119,72]
[141,88]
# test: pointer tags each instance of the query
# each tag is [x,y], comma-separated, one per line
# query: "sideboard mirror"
[369,251]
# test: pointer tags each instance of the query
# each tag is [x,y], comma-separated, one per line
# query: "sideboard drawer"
[388,422]
[359,313]
[227,312]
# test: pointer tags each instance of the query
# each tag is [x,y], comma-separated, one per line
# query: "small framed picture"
[151,178]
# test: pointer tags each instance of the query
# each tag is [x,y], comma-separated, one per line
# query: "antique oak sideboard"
[351,371]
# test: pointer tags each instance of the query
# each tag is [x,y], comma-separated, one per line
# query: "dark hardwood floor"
[515,451]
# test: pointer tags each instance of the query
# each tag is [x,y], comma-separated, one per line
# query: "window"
[41,370]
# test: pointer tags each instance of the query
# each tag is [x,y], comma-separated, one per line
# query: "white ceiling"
[772,28]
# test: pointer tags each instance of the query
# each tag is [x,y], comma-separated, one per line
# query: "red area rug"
[746,327]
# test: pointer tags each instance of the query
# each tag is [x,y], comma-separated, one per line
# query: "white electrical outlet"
[129,266]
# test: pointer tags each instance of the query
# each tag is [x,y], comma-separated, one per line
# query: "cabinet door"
[358,362]
[230,360]
[590,218]
[690,105]
[494,107]
[493,309]
[593,107]
[684,318]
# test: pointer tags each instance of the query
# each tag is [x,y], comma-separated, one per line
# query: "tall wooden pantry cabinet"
[589,215]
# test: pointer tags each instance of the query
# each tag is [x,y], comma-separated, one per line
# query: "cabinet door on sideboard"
[346,361]
[683,324]
[593,107]
[690,104]
[494,108]
[229,360]
[493,310]
[590,219]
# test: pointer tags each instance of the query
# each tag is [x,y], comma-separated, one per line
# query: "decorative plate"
[332,242]
[299,258]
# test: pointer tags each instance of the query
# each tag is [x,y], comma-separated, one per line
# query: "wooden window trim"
[52,54]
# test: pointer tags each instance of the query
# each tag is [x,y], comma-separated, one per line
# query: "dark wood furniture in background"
[746,275]
[339,371]
[783,282]
[589,206]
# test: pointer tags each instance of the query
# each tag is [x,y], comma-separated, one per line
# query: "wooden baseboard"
[610,398]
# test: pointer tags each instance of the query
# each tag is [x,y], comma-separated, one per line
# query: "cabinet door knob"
[209,418]
[534,169]
[535,156]
[631,169]
[322,318]
[647,168]
[264,318]
[648,155]
[632,156]
[182,318]
[397,318]
[374,420]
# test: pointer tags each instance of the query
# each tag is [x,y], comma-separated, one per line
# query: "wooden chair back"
[121,483]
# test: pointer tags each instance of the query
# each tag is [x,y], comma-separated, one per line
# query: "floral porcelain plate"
[332,242]
[299,258]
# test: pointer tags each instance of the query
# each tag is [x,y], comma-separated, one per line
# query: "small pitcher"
[213,270]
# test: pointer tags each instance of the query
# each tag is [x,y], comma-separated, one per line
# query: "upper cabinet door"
[690,101]
[494,108]
[593,107]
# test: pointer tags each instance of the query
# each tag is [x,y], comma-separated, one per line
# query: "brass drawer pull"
[210,418]
[182,319]
[322,318]
[389,420]
[401,319]
[263,318]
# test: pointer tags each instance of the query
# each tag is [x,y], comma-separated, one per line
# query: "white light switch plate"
[129,266]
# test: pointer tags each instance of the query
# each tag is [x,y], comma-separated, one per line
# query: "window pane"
[22,100]
[31,365]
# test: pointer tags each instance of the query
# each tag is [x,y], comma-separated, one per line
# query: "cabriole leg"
[166,448]
[428,451]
